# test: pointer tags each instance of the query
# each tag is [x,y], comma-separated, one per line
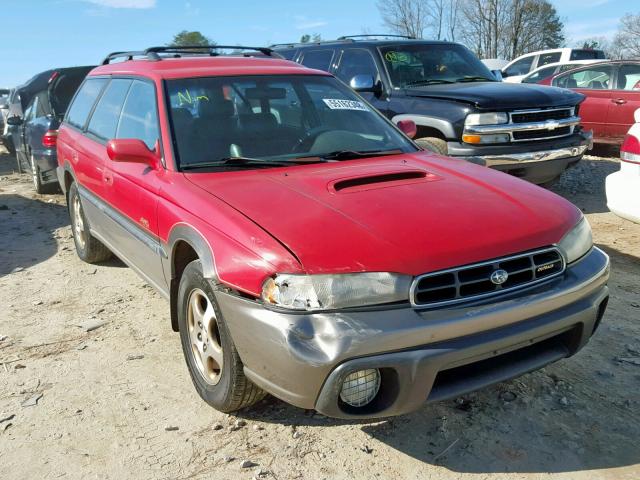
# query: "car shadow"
[584,184]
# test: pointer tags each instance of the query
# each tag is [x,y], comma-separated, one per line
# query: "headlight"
[494,118]
[327,292]
[577,242]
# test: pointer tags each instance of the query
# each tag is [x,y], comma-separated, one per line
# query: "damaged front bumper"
[422,355]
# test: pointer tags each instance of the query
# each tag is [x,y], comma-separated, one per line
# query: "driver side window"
[357,61]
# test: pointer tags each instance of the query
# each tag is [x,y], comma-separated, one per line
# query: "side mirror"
[498,74]
[132,150]
[408,127]
[504,73]
[14,120]
[364,83]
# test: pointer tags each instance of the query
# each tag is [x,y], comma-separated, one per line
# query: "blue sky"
[40,34]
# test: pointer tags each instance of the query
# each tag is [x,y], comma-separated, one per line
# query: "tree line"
[499,28]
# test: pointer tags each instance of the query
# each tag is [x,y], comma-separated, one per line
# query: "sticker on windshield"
[338,104]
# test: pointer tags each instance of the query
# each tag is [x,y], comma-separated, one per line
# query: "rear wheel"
[213,361]
[89,248]
[37,181]
[433,144]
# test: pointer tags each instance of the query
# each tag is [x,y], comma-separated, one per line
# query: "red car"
[307,247]
[613,95]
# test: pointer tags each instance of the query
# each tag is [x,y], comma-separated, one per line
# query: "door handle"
[619,101]
[107,178]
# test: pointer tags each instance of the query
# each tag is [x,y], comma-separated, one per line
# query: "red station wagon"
[307,247]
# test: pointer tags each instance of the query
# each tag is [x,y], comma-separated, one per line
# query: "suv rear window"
[84,100]
[586,54]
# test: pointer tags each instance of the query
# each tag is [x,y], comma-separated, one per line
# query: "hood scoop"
[381,180]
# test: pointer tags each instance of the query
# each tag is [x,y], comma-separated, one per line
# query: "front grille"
[474,281]
[536,134]
[541,115]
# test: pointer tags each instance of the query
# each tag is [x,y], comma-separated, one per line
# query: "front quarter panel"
[233,249]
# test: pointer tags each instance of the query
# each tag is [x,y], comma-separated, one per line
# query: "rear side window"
[104,121]
[84,100]
[287,54]
[318,59]
[139,117]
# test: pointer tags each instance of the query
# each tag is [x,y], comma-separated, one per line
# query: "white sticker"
[338,104]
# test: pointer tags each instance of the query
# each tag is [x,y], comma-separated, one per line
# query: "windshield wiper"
[472,78]
[236,162]
[431,81]
[350,154]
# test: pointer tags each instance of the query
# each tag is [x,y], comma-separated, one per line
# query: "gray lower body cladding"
[423,355]
[47,164]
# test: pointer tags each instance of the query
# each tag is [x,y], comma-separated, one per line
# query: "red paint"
[445,213]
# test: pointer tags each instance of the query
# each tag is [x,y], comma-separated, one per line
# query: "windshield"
[424,64]
[274,118]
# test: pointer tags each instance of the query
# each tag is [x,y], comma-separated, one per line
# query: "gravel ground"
[93,383]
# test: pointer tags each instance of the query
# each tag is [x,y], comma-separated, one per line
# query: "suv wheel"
[433,144]
[88,248]
[37,181]
[213,361]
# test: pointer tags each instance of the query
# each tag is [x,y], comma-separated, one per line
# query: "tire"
[41,188]
[433,144]
[88,248]
[212,359]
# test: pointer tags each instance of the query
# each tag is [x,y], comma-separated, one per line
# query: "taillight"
[50,138]
[630,150]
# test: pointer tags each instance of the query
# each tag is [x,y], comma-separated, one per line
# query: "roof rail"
[152,53]
[368,35]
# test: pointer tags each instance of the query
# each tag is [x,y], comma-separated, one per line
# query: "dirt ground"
[116,402]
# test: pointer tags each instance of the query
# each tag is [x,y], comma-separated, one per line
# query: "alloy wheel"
[204,335]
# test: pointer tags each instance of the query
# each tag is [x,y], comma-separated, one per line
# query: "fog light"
[360,387]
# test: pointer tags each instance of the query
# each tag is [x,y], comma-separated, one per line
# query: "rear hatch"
[63,84]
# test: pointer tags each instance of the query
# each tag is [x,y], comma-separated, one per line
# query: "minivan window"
[104,120]
[84,100]
[139,117]
[318,59]
[357,61]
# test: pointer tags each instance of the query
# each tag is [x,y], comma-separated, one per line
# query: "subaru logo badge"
[498,277]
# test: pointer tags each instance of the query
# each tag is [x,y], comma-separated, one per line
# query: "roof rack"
[152,53]
[369,35]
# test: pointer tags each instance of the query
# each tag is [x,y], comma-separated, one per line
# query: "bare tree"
[509,28]
[626,43]
[405,17]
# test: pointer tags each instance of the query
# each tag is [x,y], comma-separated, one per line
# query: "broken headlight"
[328,292]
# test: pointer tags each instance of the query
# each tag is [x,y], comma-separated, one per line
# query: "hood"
[408,213]
[499,95]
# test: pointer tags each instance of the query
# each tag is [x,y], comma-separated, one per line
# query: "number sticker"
[338,104]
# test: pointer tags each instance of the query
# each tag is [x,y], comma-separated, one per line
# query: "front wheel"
[213,361]
[433,144]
